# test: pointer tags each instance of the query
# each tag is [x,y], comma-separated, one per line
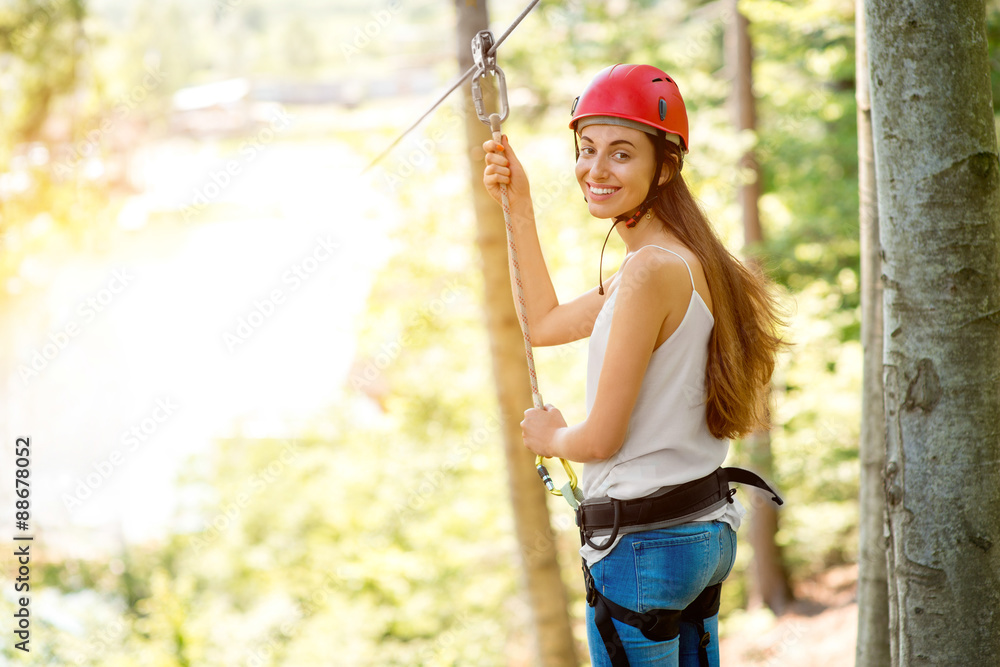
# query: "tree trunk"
[939,218]
[542,575]
[873,601]
[770,583]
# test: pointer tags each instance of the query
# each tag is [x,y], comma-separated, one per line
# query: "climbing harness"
[662,509]
[483,54]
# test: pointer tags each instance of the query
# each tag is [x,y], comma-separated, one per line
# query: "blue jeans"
[663,569]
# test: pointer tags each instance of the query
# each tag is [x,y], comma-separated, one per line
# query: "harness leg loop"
[657,625]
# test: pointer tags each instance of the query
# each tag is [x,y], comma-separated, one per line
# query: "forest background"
[257,381]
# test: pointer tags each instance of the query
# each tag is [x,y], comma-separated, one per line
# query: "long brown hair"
[745,339]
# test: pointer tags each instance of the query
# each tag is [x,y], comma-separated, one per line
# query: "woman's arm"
[549,322]
[645,300]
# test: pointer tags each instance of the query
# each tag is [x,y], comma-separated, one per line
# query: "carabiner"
[547,479]
[487,64]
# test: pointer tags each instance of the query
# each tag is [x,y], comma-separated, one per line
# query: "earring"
[649,214]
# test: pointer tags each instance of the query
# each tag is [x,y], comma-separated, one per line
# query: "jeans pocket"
[672,571]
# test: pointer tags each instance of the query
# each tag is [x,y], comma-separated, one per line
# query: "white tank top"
[668,441]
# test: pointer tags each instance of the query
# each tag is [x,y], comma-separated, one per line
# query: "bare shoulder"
[652,268]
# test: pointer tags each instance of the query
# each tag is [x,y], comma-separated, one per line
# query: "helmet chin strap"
[644,208]
[600,268]
[630,223]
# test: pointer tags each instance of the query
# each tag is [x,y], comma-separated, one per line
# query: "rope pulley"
[485,61]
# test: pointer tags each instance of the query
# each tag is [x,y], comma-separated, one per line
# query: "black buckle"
[588,583]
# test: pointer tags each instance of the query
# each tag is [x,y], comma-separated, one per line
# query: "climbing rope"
[484,48]
[483,54]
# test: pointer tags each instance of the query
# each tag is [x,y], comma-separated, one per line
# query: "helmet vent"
[663,109]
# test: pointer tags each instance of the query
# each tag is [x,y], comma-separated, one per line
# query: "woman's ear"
[670,169]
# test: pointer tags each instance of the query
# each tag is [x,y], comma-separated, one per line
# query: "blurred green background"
[257,381]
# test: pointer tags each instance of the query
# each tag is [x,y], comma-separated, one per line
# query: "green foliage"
[815,448]
[39,42]
[366,541]
[804,80]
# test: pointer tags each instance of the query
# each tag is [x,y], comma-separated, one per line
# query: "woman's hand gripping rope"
[540,431]
[504,170]
[540,421]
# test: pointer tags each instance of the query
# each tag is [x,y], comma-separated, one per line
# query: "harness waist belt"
[666,507]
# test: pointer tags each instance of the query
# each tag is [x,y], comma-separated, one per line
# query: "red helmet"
[638,96]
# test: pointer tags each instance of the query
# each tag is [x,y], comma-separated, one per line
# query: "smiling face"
[614,169]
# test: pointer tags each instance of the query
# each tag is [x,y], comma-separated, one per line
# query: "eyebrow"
[584,137]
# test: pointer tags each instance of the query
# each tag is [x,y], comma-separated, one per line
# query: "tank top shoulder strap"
[690,275]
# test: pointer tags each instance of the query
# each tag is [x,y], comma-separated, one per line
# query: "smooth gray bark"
[939,217]
[873,587]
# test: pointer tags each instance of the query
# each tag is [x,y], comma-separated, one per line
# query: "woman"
[682,347]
